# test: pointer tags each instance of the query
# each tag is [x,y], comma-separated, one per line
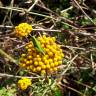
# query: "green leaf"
[94,88]
[6,92]
[57,92]
[2,91]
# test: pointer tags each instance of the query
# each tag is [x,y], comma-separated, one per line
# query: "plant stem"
[8,56]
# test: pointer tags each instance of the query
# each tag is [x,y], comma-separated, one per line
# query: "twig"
[82,84]
[10,27]
[84,28]
[65,66]
[71,89]
[68,23]
[92,61]
[43,7]
[36,1]
[65,10]
[24,10]
[69,64]
[46,16]
[45,91]
[84,12]
[53,30]
[11,5]
[8,56]
[8,75]
[50,30]
[73,47]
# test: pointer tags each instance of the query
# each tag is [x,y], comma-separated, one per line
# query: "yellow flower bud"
[23,29]
[23,83]
[38,68]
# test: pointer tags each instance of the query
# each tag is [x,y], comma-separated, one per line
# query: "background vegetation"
[73,23]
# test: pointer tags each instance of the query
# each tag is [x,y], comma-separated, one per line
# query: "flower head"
[36,62]
[23,83]
[23,29]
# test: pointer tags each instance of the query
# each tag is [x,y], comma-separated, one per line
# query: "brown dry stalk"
[8,56]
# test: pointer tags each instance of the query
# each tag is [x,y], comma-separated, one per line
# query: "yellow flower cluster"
[23,29]
[39,63]
[23,83]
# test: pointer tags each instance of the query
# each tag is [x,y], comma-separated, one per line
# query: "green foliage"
[65,14]
[86,75]
[54,4]
[65,26]
[7,92]
[94,88]
[66,10]
[94,20]
[57,92]
[85,21]
[43,88]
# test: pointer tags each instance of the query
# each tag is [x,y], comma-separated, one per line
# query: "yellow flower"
[42,63]
[23,29]
[23,83]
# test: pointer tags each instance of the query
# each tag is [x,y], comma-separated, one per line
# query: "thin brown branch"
[80,32]
[69,22]
[83,11]
[69,64]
